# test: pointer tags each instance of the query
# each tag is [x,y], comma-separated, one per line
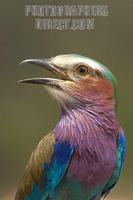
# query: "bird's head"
[80,80]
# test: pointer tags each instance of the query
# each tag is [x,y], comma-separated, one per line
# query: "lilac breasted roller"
[82,157]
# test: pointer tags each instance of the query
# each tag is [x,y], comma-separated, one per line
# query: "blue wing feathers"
[53,172]
[122,145]
[120,154]
[59,162]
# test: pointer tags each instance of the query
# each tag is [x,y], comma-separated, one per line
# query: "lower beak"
[45,64]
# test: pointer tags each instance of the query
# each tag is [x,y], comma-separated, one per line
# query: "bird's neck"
[80,124]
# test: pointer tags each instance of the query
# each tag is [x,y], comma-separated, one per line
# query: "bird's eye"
[82,70]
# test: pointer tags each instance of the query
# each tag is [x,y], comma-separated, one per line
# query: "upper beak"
[45,64]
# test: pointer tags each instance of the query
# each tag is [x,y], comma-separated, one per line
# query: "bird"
[82,157]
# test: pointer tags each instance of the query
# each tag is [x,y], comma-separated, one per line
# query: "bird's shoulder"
[45,167]
[33,171]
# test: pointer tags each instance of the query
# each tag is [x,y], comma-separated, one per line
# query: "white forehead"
[68,60]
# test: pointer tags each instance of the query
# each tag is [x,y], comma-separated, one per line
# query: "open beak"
[45,64]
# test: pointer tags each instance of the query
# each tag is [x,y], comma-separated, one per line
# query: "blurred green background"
[27,113]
